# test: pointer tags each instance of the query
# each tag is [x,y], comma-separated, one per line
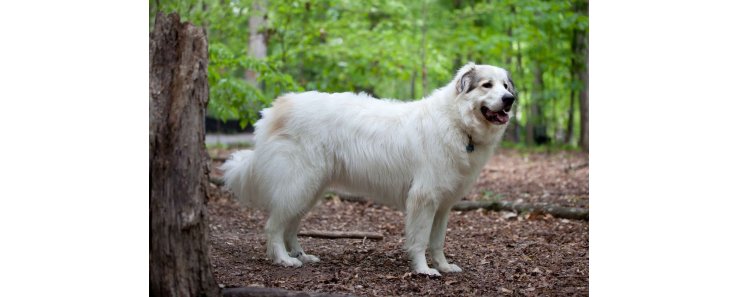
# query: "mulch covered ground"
[500,253]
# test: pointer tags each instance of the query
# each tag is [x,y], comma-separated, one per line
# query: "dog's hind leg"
[420,209]
[293,190]
[291,238]
[437,240]
[275,230]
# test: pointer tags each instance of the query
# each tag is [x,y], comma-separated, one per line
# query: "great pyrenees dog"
[420,157]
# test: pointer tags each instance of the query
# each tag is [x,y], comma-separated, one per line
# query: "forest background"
[259,49]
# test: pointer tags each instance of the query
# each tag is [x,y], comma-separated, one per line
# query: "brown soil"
[500,253]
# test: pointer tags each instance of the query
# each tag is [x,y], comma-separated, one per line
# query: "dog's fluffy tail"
[236,171]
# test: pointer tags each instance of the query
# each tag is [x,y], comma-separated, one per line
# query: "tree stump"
[178,173]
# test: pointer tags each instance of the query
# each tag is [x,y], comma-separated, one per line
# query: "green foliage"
[388,48]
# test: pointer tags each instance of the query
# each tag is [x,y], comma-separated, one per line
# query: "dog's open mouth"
[497,117]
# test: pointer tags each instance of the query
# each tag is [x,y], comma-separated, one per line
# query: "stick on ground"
[341,234]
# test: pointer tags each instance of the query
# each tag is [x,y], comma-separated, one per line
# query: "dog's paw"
[450,268]
[428,271]
[289,262]
[306,258]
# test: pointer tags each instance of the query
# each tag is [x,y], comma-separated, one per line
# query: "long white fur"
[410,155]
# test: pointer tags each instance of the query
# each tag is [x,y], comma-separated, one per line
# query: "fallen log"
[271,292]
[341,234]
[574,213]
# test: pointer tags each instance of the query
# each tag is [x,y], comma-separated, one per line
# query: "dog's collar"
[471,147]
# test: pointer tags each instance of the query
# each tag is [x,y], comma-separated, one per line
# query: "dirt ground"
[500,253]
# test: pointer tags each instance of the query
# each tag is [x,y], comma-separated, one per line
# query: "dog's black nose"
[508,99]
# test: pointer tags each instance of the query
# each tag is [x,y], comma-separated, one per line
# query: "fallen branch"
[219,159]
[576,167]
[349,198]
[574,213]
[270,292]
[341,234]
[216,180]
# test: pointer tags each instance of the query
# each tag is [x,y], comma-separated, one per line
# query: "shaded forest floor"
[500,253]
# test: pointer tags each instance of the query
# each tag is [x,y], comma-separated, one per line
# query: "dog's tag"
[470,148]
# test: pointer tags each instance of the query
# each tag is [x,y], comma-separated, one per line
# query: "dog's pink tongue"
[502,117]
[490,114]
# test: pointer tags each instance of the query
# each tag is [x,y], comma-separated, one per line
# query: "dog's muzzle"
[495,117]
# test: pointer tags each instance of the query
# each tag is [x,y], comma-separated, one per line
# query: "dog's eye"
[487,85]
[506,86]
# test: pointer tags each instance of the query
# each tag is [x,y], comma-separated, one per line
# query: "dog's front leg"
[420,211]
[437,241]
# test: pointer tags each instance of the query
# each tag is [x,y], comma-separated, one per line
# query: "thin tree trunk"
[581,7]
[413,85]
[178,95]
[584,104]
[257,45]
[571,109]
[533,120]
[522,90]
[573,74]
[513,130]
[423,48]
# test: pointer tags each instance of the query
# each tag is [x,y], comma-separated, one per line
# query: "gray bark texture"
[178,173]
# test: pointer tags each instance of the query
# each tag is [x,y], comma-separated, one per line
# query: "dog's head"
[487,92]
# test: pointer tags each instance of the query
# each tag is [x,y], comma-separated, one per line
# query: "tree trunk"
[571,111]
[582,42]
[533,119]
[523,89]
[257,44]
[423,48]
[178,94]
[583,75]
[413,85]
[512,133]
[573,74]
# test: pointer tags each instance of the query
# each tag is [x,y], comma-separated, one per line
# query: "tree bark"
[178,172]
[533,119]
[257,44]
[581,7]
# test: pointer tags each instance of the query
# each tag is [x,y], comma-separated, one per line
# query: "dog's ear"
[466,82]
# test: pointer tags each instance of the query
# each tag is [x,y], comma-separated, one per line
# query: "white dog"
[419,156]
